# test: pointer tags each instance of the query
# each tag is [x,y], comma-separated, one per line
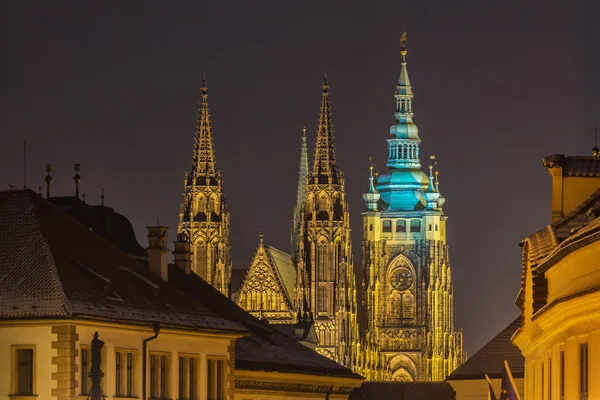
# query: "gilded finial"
[204,88]
[77,179]
[325,86]
[371,164]
[304,131]
[403,50]
[48,179]
[261,236]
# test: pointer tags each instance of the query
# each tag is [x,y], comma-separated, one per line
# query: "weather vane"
[403,42]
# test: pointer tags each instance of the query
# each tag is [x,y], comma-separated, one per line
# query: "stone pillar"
[231,370]
[65,378]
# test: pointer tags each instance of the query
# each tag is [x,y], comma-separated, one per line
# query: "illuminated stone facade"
[407,277]
[560,288]
[203,215]
[326,282]
[406,330]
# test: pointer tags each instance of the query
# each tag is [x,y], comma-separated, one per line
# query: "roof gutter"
[156,329]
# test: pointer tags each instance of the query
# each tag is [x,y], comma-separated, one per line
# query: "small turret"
[372,196]
[431,195]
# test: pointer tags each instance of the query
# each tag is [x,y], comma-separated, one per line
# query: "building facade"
[408,282]
[560,288]
[203,214]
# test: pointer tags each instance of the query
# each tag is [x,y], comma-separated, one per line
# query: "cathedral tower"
[408,287]
[326,283]
[203,215]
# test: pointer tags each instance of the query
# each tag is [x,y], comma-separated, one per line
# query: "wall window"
[583,371]
[215,379]
[125,372]
[387,226]
[159,376]
[24,367]
[188,377]
[401,225]
[415,225]
[371,227]
[429,227]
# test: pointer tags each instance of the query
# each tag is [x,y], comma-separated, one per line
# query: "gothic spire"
[301,191]
[324,163]
[204,154]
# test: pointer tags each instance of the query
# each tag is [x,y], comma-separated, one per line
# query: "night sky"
[498,85]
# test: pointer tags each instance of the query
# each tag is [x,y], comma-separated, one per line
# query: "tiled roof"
[43,250]
[490,358]
[284,268]
[266,349]
[403,391]
[546,240]
[29,283]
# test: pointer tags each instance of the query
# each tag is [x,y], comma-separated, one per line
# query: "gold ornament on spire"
[403,44]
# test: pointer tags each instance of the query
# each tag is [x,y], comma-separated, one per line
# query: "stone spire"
[372,196]
[404,145]
[301,192]
[325,163]
[204,154]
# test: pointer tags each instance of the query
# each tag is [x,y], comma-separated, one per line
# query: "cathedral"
[388,318]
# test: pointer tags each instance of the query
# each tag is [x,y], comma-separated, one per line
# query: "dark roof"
[52,266]
[103,220]
[490,358]
[403,391]
[580,166]
[266,349]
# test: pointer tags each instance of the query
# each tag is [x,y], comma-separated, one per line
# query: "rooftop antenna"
[48,179]
[77,179]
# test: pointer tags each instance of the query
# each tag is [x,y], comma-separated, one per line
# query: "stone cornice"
[262,385]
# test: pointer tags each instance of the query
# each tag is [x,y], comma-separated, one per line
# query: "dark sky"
[498,85]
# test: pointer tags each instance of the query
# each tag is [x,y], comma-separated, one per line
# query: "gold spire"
[324,160]
[204,154]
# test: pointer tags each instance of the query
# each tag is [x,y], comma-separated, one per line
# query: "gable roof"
[266,349]
[280,265]
[52,266]
[490,358]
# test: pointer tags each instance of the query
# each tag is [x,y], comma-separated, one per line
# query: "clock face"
[402,279]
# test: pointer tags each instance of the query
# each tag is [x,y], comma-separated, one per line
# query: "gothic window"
[394,305]
[429,227]
[322,262]
[371,227]
[201,204]
[415,225]
[323,299]
[322,205]
[215,204]
[387,226]
[401,225]
[407,306]
[202,260]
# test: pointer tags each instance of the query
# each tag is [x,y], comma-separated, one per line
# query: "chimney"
[158,251]
[183,253]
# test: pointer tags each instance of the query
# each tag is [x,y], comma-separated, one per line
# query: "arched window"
[407,306]
[394,305]
[401,225]
[429,227]
[436,227]
[387,226]
[202,260]
[322,205]
[322,261]
[371,227]
[415,225]
[201,204]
